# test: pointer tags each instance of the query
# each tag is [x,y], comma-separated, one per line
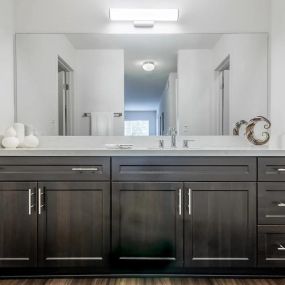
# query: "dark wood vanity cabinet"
[61,222]
[220,224]
[219,218]
[171,214]
[147,223]
[18,224]
[271,212]
[54,224]
[73,219]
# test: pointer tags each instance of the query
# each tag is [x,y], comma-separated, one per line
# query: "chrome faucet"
[173,134]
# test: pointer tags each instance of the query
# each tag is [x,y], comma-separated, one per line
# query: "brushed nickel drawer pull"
[281,204]
[274,216]
[85,169]
[40,205]
[30,202]
[189,201]
[146,258]
[281,248]
[281,169]
[180,202]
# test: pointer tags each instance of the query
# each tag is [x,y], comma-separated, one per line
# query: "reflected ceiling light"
[144,17]
[148,66]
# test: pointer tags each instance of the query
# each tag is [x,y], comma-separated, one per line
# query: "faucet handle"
[172,131]
[186,143]
[161,143]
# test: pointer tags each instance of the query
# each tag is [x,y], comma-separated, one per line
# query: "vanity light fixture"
[144,17]
[148,66]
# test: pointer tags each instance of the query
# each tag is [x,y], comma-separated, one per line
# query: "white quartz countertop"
[148,146]
[143,152]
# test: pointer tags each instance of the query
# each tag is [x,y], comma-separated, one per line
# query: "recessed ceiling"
[143,89]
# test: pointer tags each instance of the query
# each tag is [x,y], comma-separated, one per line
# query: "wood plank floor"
[144,281]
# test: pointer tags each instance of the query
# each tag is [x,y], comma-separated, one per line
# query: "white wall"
[144,116]
[99,86]
[37,79]
[91,16]
[6,64]
[248,74]
[168,103]
[278,67]
[195,85]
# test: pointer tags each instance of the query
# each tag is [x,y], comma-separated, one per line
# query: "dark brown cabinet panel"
[271,169]
[271,203]
[55,168]
[271,246]
[73,219]
[220,224]
[147,223]
[18,224]
[184,169]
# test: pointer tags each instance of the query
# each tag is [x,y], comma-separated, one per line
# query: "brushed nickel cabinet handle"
[281,169]
[281,248]
[30,202]
[85,169]
[281,204]
[180,202]
[189,201]
[40,205]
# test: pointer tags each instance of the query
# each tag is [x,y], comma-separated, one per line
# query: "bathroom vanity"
[214,205]
[142,214]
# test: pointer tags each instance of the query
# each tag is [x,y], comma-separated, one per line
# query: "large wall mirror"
[140,85]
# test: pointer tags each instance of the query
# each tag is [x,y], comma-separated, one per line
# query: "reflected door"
[64,100]
[225,102]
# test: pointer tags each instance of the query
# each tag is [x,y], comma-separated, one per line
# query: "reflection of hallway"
[146,122]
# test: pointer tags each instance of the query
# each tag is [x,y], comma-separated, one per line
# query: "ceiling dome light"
[148,66]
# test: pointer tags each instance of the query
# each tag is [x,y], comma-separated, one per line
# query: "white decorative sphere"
[10,142]
[30,141]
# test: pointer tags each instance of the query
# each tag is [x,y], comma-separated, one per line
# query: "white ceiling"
[143,89]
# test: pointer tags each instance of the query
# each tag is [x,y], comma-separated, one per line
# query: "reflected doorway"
[65,101]
[224,97]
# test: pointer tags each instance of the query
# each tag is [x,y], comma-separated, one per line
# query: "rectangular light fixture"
[144,15]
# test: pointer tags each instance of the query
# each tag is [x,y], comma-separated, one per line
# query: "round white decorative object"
[30,141]
[10,132]
[10,142]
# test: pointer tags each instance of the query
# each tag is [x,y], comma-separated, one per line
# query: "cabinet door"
[147,223]
[18,224]
[73,223]
[220,224]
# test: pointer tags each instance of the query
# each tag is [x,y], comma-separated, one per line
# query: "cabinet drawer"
[55,168]
[271,246]
[271,203]
[271,169]
[183,169]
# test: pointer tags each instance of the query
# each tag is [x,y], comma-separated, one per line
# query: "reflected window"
[136,128]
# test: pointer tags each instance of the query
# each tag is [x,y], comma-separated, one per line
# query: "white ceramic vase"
[20,130]
[30,141]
